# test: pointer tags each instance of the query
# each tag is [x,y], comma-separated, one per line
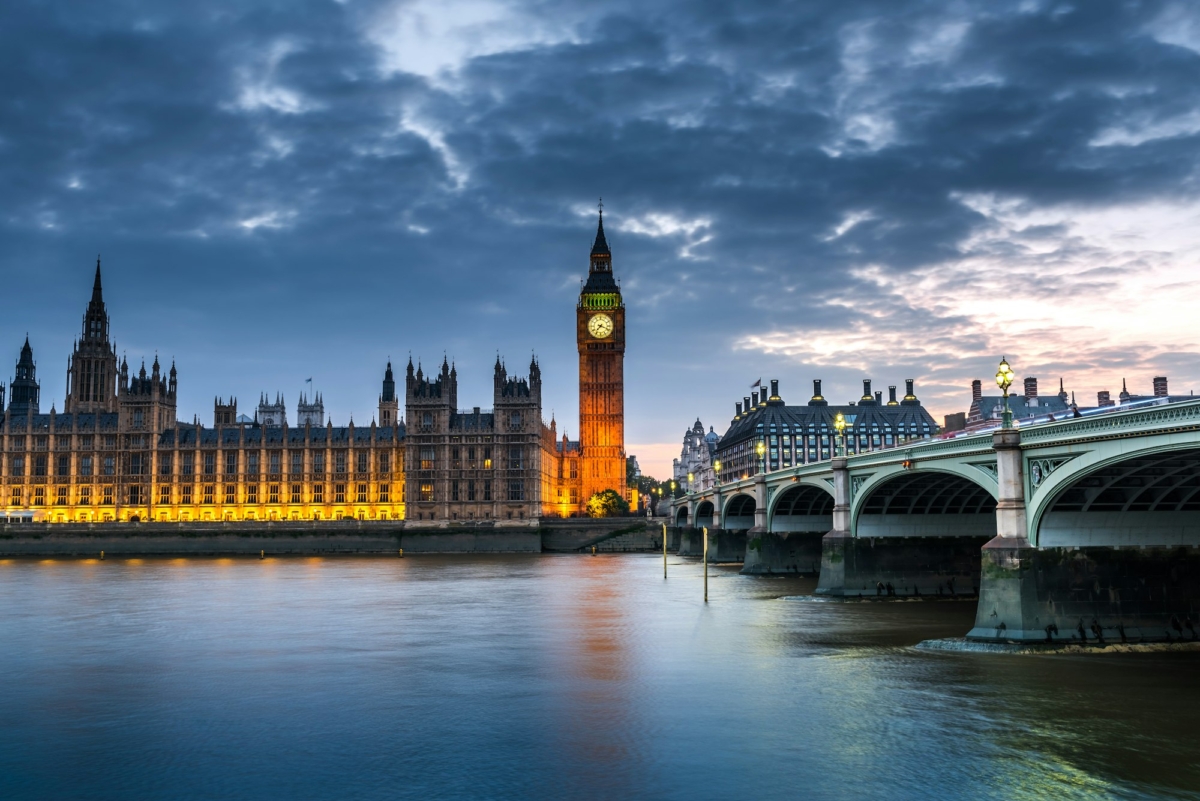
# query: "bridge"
[1086,529]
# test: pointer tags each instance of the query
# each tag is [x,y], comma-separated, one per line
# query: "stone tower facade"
[472,465]
[146,402]
[24,389]
[225,412]
[272,414]
[600,336]
[389,405]
[310,411]
[92,367]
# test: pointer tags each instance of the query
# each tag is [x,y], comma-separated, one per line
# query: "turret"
[909,398]
[389,405]
[24,389]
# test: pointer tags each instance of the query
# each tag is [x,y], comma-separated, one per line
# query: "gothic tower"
[600,335]
[92,368]
[24,389]
[389,405]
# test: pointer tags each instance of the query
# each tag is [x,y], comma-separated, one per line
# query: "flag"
[308,381]
[756,384]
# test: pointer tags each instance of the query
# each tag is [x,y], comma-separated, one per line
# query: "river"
[548,677]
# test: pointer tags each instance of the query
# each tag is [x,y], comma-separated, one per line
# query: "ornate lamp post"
[717,472]
[691,483]
[839,423]
[761,450]
[673,485]
[1004,380]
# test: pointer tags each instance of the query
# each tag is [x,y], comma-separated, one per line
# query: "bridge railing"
[1144,417]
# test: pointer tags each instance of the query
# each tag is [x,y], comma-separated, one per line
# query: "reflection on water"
[548,677]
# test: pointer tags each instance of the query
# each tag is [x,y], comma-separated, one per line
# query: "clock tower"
[600,335]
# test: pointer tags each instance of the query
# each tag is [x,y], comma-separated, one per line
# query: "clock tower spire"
[600,336]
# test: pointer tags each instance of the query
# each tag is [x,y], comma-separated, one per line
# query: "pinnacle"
[600,247]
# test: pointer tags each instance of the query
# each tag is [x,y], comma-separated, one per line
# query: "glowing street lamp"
[1004,380]
[691,482]
[717,471]
[839,423]
[761,450]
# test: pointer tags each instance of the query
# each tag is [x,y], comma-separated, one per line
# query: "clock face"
[600,326]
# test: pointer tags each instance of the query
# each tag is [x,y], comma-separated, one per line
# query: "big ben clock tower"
[600,334]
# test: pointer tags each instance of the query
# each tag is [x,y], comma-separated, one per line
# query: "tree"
[607,503]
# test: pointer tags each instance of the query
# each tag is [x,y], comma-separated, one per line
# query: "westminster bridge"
[1084,529]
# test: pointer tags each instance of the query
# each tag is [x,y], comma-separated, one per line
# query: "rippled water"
[548,677]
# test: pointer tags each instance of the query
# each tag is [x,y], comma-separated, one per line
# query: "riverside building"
[117,451]
[793,435]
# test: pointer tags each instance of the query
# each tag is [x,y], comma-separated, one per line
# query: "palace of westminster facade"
[117,452]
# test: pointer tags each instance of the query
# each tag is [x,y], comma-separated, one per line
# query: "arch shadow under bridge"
[913,533]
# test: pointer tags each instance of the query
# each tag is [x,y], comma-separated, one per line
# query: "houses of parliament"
[118,452]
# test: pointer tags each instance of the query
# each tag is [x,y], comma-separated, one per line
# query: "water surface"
[548,677]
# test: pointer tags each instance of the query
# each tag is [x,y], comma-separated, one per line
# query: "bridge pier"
[1090,593]
[726,545]
[795,552]
[899,565]
[691,541]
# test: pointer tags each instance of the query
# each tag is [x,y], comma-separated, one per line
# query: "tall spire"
[95,318]
[97,290]
[600,247]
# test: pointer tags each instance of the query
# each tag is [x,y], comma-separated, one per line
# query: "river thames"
[548,677]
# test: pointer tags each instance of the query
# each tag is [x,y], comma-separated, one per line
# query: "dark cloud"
[275,201]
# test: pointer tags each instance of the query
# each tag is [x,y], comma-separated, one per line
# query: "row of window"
[476,458]
[136,464]
[473,490]
[87,442]
[208,494]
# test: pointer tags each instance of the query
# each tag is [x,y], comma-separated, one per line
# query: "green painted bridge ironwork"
[1107,503]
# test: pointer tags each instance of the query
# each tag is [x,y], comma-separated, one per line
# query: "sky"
[793,190]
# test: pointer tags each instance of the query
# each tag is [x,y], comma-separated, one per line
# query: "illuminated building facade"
[793,435]
[506,463]
[696,459]
[118,452]
[600,337]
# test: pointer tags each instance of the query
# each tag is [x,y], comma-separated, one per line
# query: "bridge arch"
[704,514]
[931,502]
[739,512]
[681,515]
[801,507]
[1141,493]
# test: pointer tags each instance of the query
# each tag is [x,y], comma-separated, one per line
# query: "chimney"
[754,395]
[892,396]
[1031,387]
[746,404]
[1103,398]
[1160,386]
[879,397]
[775,388]
[866,389]
[976,390]
[817,399]
[909,398]
[738,410]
